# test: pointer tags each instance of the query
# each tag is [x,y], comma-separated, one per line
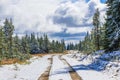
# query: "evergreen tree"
[112,33]
[57,46]
[70,46]
[8,31]
[1,42]
[16,46]
[40,40]
[25,45]
[34,46]
[63,45]
[53,45]
[96,24]
[102,36]
[46,44]
[80,46]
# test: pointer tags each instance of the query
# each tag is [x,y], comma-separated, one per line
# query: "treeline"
[21,48]
[106,36]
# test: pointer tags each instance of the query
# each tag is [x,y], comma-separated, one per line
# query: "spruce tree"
[63,45]
[53,46]
[112,33]
[40,43]
[34,44]
[46,44]
[1,42]
[25,46]
[96,24]
[16,46]
[8,31]
[80,46]
[115,36]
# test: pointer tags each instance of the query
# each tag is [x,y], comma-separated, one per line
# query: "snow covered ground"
[58,71]
[96,66]
[25,72]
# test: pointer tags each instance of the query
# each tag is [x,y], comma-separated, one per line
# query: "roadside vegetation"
[14,49]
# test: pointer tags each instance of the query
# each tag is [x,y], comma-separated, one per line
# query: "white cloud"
[71,14]
[30,15]
[35,15]
[78,14]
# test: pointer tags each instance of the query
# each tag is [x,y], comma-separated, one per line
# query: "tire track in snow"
[45,75]
[58,70]
[74,75]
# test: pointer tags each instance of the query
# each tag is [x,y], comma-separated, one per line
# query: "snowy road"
[58,71]
[51,67]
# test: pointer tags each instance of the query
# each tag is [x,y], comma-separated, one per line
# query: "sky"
[60,19]
[102,1]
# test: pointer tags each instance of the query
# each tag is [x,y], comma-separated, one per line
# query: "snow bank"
[107,64]
[25,72]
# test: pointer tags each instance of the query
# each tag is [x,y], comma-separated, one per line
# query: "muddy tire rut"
[74,75]
[45,75]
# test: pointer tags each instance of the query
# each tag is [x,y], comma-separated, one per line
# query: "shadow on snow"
[99,64]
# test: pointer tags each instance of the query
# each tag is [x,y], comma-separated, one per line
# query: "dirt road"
[59,69]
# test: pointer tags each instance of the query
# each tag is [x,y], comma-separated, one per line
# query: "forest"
[21,48]
[104,36]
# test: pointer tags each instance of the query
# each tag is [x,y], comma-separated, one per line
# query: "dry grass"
[9,61]
[44,54]
[13,61]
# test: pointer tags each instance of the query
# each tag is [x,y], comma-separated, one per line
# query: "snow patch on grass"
[30,71]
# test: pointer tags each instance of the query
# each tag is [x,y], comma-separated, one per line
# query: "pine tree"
[40,41]
[96,24]
[92,41]
[63,45]
[46,44]
[80,46]
[25,45]
[16,46]
[53,46]
[115,36]
[57,47]
[112,35]
[1,42]
[8,31]
[34,46]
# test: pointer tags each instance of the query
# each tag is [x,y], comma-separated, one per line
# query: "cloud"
[77,14]
[30,15]
[68,19]
[71,14]
[68,37]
